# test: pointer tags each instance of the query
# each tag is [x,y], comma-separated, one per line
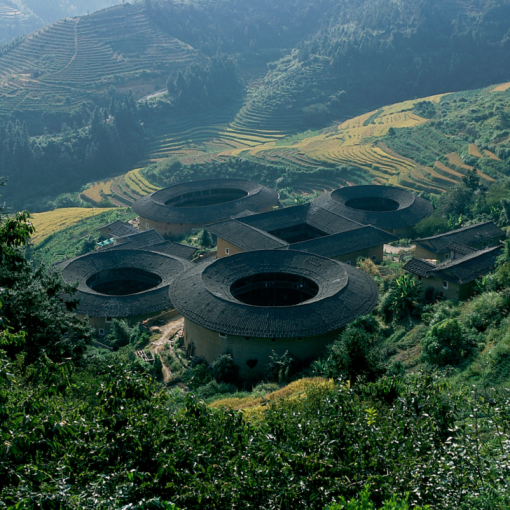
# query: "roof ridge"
[467,227]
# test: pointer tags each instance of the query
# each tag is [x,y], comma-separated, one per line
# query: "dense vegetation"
[417,406]
[113,140]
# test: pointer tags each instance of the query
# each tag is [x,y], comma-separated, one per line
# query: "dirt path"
[76,21]
[154,94]
[395,250]
[169,330]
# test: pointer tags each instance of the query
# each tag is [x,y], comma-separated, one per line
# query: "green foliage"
[123,334]
[224,370]
[446,344]
[280,367]
[401,300]
[205,239]
[363,502]
[357,354]
[197,376]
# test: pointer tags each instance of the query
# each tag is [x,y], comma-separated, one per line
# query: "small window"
[484,244]
[246,337]
[108,320]
[273,339]
[101,331]
[348,262]
[447,256]
[147,226]
[374,258]
[227,251]
[222,335]
[419,277]
[490,242]
[445,285]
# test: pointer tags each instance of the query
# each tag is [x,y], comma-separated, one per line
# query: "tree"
[205,239]
[446,344]
[224,369]
[36,301]
[356,354]
[402,297]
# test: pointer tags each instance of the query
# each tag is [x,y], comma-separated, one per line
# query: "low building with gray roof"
[123,284]
[389,208]
[254,303]
[478,236]
[175,211]
[455,279]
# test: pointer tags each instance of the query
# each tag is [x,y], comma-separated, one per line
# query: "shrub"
[280,368]
[486,310]
[363,502]
[224,369]
[197,376]
[357,353]
[446,344]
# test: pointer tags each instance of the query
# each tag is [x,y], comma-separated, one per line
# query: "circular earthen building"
[252,303]
[395,210]
[122,284]
[175,211]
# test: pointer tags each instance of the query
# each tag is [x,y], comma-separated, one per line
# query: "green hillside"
[19,17]
[60,68]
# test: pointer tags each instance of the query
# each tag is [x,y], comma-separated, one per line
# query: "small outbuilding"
[251,304]
[478,237]
[455,279]
[122,284]
[389,208]
[175,211]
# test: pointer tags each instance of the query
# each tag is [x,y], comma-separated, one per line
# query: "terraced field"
[48,223]
[61,64]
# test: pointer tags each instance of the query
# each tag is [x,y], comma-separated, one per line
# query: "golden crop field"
[473,151]
[49,222]
[501,88]
[491,155]
[98,190]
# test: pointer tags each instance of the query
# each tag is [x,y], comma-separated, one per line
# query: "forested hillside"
[216,77]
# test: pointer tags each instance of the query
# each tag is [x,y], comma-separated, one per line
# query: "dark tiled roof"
[150,240]
[123,231]
[461,249]
[411,208]
[139,240]
[153,206]
[461,271]
[419,267]
[470,235]
[245,237]
[203,295]
[345,242]
[175,249]
[113,225]
[93,304]
[317,217]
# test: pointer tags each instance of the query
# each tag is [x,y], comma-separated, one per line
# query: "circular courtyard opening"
[274,289]
[123,281]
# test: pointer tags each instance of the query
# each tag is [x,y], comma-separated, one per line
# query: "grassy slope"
[67,242]
[47,223]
